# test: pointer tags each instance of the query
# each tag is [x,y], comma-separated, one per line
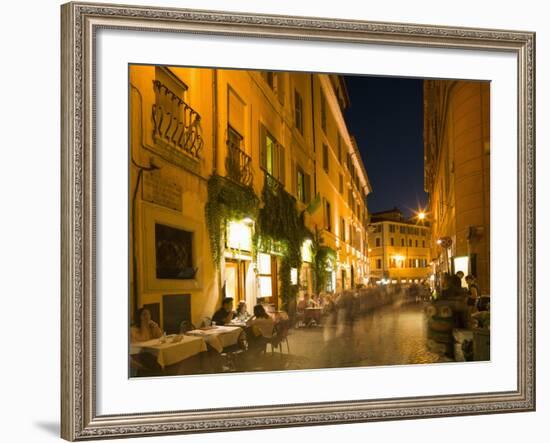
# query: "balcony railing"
[274,185]
[238,165]
[175,123]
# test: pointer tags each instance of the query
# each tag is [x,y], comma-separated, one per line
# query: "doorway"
[235,279]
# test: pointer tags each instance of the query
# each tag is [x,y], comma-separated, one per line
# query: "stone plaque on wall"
[161,191]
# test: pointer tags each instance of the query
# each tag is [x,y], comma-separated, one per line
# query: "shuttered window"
[325,157]
[323,112]
[298,112]
[272,155]
[236,110]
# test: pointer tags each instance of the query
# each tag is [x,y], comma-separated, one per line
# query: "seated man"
[225,314]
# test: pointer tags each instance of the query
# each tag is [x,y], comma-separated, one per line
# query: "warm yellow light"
[307,253]
[438,241]
[421,215]
[399,258]
[239,236]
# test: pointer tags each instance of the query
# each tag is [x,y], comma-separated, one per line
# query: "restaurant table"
[218,337]
[169,352]
[312,314]
[239,323]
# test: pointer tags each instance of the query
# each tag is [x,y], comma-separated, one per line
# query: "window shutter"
[236,112]
[263,158]
[281,164]
[293,178]
[307,187]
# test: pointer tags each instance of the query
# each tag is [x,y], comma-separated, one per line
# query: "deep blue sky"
[386,118]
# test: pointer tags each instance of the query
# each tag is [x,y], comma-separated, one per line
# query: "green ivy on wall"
[281,226]
[323,258]
[227,201]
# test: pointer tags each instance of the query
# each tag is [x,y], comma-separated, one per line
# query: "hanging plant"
[227,201]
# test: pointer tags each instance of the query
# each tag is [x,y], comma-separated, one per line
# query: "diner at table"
[225,314]
[261,328]
[145,328]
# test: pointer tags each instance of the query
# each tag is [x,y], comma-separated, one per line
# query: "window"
[378,263]
[377,242]
[423,243]
[392,228]
[272,155]
[402,242]
[270,78]
[323,112]
[393,263]
[234,139]
[325,158]
[341,184]
[392,241]
[328,217]
[275,82]
[298,112]
[410,242]
[264,275]
[402,229]
[300,181]
[342,229]
[416,243]
[339,148]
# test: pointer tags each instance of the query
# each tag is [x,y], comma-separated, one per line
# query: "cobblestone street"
[390,335]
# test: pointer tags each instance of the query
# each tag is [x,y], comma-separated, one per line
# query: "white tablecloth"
[170,353]
[218,337]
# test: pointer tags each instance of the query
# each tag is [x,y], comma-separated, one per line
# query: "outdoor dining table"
[313,313]
[174,350]
[239,323]
[218,337]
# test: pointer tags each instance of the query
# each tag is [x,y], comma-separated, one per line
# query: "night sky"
[386,118]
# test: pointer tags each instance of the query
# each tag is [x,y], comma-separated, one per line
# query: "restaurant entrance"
[235,279]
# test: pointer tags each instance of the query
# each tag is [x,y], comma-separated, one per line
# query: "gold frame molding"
[80,21]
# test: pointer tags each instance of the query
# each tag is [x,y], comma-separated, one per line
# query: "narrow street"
[390,335]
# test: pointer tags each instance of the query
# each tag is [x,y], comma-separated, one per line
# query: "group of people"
[260,325]
[467,302]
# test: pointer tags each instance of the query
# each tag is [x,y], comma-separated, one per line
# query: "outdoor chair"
[280,335]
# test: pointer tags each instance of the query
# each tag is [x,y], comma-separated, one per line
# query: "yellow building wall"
[208,93]
[459,172]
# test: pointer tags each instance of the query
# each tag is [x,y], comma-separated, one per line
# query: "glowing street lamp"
[421,215]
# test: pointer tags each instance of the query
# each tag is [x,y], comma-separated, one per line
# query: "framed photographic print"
[283,221]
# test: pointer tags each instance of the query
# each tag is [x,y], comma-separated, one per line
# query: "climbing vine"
[323,257]
[226,201]
[281,228]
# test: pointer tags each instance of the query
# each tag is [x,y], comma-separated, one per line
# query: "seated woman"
[144,363]
[260,329]
[144,328]
[241,313]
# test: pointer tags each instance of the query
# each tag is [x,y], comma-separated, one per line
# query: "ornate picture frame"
[80,22]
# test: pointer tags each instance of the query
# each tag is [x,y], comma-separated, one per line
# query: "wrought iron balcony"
[274,185]
[238,164]
[175,123]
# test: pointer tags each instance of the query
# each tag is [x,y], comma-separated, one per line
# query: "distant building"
[457,176]
[399,248]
